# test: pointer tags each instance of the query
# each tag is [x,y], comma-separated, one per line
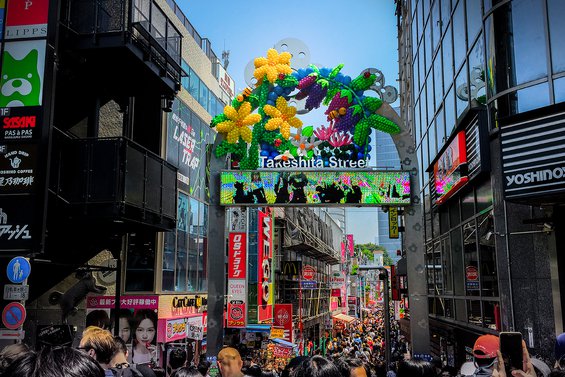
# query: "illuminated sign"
[359,188]
[173,306]
[265,247]
[237,261]
[448,173]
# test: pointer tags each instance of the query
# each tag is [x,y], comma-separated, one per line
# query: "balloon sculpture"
[276,133]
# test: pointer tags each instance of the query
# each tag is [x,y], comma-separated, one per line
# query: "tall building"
[114,141]
[482,91]
[386,158]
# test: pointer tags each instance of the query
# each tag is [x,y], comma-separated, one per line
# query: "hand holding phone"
[511,350]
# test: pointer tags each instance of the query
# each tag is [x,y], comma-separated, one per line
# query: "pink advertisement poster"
[137,321]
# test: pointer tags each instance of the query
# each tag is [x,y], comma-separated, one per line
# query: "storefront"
[181,322]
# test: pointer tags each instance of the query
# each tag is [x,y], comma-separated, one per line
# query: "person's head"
[98,343]
[352,368]
[98,318]
[415,368]
[203,367]
[484,350]
[145,326]
[11,353]
[316,366]
[292,364]
[229,362]
[120,356]
[54,362]
[187,372]
[177,358]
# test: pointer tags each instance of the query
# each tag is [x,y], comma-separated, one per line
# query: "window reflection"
[438,80]
[457,262]
[528,40]
[436,33]
[559,90]
[462,91]
[532,98]
[477,83]
[555,11]
[472,285]
[474,19]
[446,262]
[489,282]
[459,46]
[474,312]
[449,112]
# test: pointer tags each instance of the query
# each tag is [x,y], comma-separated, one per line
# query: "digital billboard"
[358,188]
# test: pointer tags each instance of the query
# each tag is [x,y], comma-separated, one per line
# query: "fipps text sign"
[326,187]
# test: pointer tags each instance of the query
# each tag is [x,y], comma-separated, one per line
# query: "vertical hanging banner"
[26,19]
[342,252]
[393,222]
[350,244]
[237,271]
[283,318]
[265,265]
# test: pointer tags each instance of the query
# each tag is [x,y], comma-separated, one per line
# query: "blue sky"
[358,33]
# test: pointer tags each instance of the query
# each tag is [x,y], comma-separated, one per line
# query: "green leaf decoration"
[362,83]
[330,95]
[383,124]
[293,150]
[357,109]
[288,81]
[335,71]
[347,93]
[362,132]
[308,131]
[310,154]
[315,68]
[218,119]
[372,103]
[254,101]
[323,82]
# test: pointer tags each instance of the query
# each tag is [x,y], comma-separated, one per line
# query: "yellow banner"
[277,333]
[392,222]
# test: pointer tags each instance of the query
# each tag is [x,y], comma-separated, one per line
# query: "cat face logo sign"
[21,82]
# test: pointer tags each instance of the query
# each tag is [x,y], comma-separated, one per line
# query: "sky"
[358,33]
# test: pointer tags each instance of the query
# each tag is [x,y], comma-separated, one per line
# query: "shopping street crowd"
[357,350]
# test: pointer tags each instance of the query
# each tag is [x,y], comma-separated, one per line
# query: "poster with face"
[137,323]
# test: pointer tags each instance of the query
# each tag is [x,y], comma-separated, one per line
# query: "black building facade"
[482,92]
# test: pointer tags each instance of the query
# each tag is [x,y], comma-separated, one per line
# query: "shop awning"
[344,318]
[258,328]
[283,342]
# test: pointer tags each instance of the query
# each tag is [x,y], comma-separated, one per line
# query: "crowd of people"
[356,350]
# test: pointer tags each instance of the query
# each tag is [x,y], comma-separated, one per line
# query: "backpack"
[128,371]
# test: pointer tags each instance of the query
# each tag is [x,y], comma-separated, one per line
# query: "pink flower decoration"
[324,133]
[340,139]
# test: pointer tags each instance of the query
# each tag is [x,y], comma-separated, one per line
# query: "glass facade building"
[467,65]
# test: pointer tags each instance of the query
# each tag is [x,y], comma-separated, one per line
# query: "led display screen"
[359,188]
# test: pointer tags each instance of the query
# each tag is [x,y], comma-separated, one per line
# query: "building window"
[555,11]
[559,90]
[459,44]
[140,262]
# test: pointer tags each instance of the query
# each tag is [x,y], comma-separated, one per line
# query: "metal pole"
[387,320]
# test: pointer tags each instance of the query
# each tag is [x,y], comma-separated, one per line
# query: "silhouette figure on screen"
[281,188]
[258,191]
[241,196]
[353,195]
[298,182]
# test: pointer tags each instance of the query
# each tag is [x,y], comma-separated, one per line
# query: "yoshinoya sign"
[532,158]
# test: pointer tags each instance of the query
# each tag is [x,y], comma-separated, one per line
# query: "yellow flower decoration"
[273,65]
[282,116]
[238,122]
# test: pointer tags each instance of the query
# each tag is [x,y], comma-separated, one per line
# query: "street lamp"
[383,275]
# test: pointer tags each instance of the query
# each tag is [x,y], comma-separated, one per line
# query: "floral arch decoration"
[278,135]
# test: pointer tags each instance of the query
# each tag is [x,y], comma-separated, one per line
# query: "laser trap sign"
[355,188]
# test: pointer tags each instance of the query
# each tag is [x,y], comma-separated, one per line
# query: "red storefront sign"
[265,273]
[26,18]
[283,318]
[236,314]
[237,256]
[350,244]
[308,272]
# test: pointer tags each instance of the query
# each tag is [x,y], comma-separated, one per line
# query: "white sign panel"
[194,328]
[226,82]
[16,292]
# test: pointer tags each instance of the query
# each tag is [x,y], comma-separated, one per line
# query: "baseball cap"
[486,346]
